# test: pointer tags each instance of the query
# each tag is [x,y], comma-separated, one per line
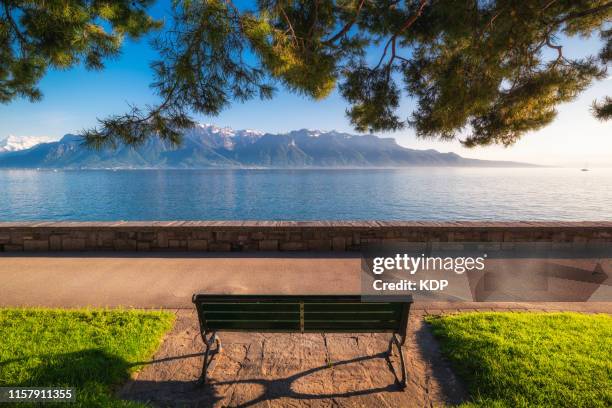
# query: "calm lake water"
[406,194]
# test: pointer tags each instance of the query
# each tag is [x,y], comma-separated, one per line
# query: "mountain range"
[208,146]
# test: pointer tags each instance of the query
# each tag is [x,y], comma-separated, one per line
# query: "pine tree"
[482,71]
[36,35]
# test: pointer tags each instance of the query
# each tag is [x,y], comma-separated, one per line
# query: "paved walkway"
[156,280]
[162,280]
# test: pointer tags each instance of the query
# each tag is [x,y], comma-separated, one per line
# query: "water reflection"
[406,194]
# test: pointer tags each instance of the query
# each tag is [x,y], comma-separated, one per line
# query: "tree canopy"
[36,35]
[482,71]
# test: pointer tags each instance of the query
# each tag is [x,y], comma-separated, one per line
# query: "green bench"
[299,314]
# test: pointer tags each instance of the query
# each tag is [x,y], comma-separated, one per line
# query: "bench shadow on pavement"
[192,393]
[430,380]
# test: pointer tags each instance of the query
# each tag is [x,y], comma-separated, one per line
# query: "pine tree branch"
[404,27]
[286,17]
[559,48]
[20,36]
[585,13]
[346,27]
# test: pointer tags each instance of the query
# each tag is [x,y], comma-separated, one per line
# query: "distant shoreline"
[526,166]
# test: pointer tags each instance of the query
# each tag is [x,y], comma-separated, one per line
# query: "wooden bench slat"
[352,307]
[381,316]
[347,307]
[251,315]
[251,307]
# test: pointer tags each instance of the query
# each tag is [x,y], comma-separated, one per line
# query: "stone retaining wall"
[279,236]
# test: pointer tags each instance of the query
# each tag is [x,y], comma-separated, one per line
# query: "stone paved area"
[294,369]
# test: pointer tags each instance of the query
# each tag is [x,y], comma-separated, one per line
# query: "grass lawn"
[90,350]
[530,359]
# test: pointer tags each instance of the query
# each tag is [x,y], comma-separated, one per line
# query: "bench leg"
[208,342]
[398,344]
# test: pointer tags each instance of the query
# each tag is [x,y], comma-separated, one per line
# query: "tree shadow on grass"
[93,373]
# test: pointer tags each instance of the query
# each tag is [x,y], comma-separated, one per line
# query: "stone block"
[268,245]
[146,235]
[291,246]
[36,245]
[80,234]
[277,235]
[143,246]
[219,246]
[125,245]
[174,243]
[201,234]
[105,236]
[73,244]
[319,244]
[390,234]
[162,240]
[197,245]
[308,234]
[226,235]
[17,238]
[339,244]
[55,242]
[258,236]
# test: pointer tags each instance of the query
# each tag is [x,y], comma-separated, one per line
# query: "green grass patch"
[530,359]
[91,350]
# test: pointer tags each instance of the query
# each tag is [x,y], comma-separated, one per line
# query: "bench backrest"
[270,313]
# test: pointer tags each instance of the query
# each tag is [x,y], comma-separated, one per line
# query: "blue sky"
[73,99]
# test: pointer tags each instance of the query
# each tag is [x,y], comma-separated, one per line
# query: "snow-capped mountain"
[12,143]
[226,137]
[206,146]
